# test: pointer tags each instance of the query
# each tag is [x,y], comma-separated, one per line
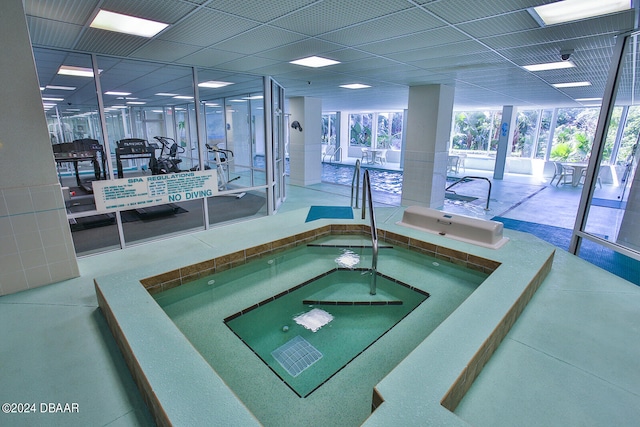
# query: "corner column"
[305,141]
[427,132]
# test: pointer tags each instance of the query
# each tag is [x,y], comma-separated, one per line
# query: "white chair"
[453,164]
[461,165]
[381,157]
[583,175]
[366,155]
[563,174]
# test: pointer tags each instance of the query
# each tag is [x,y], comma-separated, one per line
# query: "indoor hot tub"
[212,341]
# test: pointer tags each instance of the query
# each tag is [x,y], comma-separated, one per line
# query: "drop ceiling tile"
[394,25]
[458,11]
[51,33]
[167,11]
[206,28]
[109,42]
[501,24]
[325,16]
[259,39]
[262,11]
[70,11]
[209,57]
[161,50]
[428,39]
[247,64]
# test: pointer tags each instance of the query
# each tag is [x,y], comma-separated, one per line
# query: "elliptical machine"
[168,163]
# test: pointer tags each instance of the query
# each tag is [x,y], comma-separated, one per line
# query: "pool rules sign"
[141,191]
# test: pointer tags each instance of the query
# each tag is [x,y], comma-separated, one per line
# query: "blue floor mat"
[607,259]
[340,212]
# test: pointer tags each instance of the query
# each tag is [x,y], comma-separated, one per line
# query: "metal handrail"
[355,183]
[366,191]
[332,155]
[473,177]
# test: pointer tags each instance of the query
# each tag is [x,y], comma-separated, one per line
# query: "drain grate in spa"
[296,355]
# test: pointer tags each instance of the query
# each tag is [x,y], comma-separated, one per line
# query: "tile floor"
[570,360]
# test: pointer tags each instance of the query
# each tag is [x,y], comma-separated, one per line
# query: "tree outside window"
[360,129]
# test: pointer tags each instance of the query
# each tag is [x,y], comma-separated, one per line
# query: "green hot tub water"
[242,321]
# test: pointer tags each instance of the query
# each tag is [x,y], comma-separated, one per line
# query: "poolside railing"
[366,192]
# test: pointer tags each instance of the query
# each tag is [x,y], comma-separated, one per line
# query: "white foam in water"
[348,259]
[314,319]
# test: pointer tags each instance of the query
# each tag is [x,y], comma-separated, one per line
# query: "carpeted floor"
[610,260]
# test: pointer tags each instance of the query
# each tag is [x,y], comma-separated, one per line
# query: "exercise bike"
[223,158]
[168,163]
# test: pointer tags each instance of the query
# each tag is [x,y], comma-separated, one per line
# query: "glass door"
[278,143]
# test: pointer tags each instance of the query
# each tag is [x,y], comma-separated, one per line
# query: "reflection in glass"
[613,214]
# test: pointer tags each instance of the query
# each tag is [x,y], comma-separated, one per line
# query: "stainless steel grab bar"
[473,177]
[366,192]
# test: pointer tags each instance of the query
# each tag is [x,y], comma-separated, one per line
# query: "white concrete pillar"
[36,248]
[305,146]
[427,131]
[505,136]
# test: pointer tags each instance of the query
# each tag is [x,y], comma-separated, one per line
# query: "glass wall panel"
[612,213]
[573,134]
[475,132]
[150,106]
[360,129]
[233,111]
[150,103]
[71,109]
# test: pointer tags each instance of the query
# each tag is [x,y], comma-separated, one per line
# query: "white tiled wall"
[36,247]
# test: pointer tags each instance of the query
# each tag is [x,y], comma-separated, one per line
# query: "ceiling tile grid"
[45,32]
[166,11]
[108,42]
[261,11]
[206,28]
[384,28]
[209,57]
[500,24]
[326,16]
[427,39]
[71,11]
[476,46]
[259,39]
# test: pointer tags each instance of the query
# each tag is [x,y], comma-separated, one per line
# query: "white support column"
[305,146]
[509,115]
[427,132]
[37,248]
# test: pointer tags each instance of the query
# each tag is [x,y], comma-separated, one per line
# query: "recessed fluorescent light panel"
[574,10]
[126,24]
[572,84]
[314,62]
[183,97]
[355,86]
[68,70]
[588,99]
[549,66]
[166,94]
[52,99]
[212,84]
[60,87]
[136,102]
[113,92]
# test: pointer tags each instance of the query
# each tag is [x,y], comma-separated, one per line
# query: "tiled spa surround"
[171,279]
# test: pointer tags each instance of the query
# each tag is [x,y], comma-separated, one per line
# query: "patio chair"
[453,164]
[381,157]
[366,155]
[563,174]
[583,175]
